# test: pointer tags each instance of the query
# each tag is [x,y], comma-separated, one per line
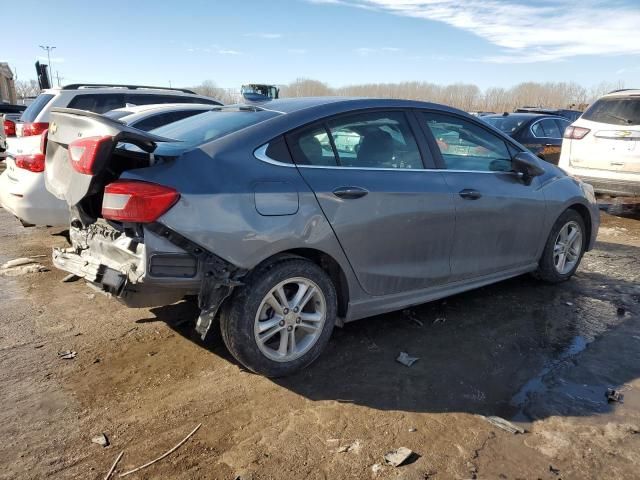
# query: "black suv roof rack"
[621,90]
[75,86]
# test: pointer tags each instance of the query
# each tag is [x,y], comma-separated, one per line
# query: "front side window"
[546,128]
[467,146]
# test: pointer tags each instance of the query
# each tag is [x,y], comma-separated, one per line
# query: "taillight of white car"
[136,201]
[35,161]
[575,133]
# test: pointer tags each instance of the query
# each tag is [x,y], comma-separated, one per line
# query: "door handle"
[349,193]
[469,194]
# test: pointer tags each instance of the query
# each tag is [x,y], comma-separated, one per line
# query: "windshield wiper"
[622,119]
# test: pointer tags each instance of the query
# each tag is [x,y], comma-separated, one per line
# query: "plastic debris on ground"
[406,359]
[397,457]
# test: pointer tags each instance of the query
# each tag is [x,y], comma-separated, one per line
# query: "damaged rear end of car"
[118,241]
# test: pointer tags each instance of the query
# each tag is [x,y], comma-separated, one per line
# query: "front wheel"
[564,248]
[281,319]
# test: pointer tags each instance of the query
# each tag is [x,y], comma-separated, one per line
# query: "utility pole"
[48,48]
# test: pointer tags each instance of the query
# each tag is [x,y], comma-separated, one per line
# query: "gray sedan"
[294,217]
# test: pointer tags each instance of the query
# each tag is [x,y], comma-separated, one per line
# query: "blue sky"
[341,42]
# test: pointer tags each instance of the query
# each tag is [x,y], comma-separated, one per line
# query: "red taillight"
[84,151]
[9,128]
[29,129]
[33,163]
[136,201]
[575,133]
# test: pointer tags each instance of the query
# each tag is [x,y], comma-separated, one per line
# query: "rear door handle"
[349,193]
[469,194]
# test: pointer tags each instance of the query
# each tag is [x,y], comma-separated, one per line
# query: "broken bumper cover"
[156,268]
[90,269]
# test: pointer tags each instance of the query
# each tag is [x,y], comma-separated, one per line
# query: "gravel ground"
[539,355]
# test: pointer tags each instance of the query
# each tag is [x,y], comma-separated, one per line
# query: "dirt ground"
[542,356]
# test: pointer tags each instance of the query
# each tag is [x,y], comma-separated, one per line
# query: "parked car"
[22,187]
[282,236]
[542,134]
[571,115]
[603,146]
[11,115]
[99,99]
[3,139]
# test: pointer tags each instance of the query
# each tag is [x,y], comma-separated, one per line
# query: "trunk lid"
[68,125]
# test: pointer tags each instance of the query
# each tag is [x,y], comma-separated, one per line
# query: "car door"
[393,218]
[499,218]
[545,139]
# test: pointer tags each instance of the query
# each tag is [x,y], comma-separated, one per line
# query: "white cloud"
[267,36]
[225,51]
[366,51]
[548,31]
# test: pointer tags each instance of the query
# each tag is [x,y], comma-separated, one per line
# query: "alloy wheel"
[290,319]
[567,248]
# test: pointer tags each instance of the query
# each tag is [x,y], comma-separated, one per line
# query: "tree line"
[466,96]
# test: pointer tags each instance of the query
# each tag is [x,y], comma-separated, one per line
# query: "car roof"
[99,90]
[163,107]
[623,93]
[524,115]
[293,104]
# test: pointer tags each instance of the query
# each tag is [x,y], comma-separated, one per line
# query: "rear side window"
[363,140]
[312,146]
[211,125]
[161,119]
[375,140]
[615,111]
[32,111]
[98,103]
[546,128]
[466,146]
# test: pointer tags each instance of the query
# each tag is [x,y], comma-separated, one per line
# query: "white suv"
[98,99]
[602,147]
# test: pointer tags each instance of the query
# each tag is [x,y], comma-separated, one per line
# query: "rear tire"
[276,336]
[564,248]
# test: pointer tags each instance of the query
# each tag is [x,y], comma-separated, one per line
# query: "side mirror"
[528,165]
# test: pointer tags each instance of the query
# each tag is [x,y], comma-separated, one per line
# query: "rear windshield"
[32,111]
[116,114]
[615,110]
[211,125]
[506,124]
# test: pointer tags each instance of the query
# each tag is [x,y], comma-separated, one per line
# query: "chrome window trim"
[260,154]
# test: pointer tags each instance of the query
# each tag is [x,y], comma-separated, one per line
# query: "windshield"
[508,124]
[212,125]
[32,111]
[615,111]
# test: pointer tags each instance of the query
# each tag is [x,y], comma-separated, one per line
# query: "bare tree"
[27,88]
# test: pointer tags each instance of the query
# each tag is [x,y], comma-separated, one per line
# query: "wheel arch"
[586,218]
[325,261]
